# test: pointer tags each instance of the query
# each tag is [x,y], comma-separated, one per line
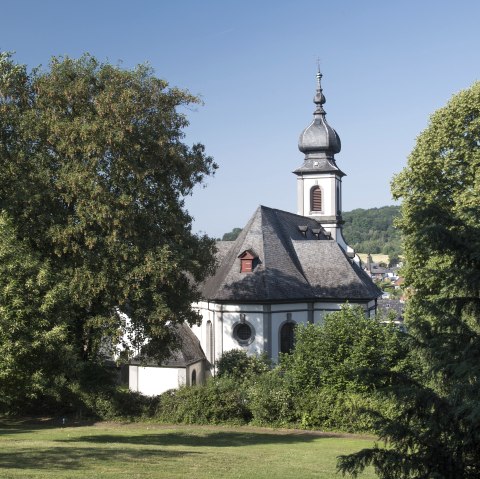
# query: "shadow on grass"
[79,458]
[28,425]
[214,439]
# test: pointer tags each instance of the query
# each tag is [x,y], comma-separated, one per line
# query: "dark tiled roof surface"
[189,350]
[320,165]
[290,265]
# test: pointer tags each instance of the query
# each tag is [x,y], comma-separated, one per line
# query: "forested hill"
[371,230]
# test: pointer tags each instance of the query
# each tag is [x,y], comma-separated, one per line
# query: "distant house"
[377,272]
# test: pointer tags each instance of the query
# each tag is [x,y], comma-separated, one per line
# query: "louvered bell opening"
[316,199]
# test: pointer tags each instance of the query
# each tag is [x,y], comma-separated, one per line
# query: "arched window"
[287,337]
[316,199]
[194,377]
[210,341]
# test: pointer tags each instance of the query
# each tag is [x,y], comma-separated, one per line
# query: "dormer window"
[246,261]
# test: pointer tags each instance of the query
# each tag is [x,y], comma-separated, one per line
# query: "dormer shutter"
[246,261]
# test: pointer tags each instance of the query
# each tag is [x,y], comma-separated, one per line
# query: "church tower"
[319,180]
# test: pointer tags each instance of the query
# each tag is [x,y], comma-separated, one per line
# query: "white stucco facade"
[154,380]
[330,185]
[217,331]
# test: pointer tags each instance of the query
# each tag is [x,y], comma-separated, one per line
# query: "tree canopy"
[232,235]
[93,176]
[437,433]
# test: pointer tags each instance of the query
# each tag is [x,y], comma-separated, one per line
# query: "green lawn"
[111,450]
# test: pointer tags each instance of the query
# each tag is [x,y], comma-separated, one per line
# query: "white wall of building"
[266,321]
[154,380]
[151,380]
[328,183]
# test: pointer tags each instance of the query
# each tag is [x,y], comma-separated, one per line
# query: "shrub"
[218,400]
[238,365]
[117,404]
[334,355]
[327,409]
[270,400]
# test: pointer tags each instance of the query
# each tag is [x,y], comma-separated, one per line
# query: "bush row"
[269,402]
[264,400]
[323,384]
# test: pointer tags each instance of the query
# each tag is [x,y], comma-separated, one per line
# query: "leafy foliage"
[92,181]
[220,400]
[271,400]
[436,432]
[35,355]
[238,365]
[335,354]
[327,409]
[372,230]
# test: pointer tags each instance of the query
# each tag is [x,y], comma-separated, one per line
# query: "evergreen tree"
[437,431]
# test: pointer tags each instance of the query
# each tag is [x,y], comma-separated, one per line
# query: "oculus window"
[243,333]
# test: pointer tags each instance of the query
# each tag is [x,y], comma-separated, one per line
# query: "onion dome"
[319,139]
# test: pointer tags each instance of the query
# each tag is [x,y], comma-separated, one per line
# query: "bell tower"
[319,180]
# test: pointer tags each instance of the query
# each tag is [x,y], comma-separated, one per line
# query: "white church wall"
[320,310]
[223,319]
[281,313]
[152,381]
[252,315]
[264,321]
[207,313]
[288,307]
[195,373]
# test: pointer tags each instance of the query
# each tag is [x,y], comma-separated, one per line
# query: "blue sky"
[387,66]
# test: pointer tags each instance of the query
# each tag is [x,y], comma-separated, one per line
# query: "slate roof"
[189,351]
[319,165]
[290,266]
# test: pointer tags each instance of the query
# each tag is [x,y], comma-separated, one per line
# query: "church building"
[284,269]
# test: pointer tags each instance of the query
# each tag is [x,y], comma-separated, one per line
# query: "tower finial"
[319,98]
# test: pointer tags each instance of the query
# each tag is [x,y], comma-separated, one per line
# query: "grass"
[138,450]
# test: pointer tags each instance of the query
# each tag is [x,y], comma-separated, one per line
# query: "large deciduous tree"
[93,175]
[437,431]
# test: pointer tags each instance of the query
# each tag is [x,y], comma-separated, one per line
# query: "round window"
[243,333]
